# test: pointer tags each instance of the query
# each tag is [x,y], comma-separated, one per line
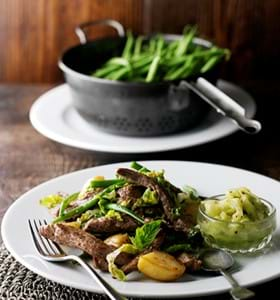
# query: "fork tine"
[34,238]
[50,244]
[43,241]
[54,246]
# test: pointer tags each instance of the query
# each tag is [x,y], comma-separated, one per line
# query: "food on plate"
[140,221]
[160,266]
[238,205]
[237,221]
[155,59]
[134,221]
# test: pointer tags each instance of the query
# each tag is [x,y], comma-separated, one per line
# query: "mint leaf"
[146,234]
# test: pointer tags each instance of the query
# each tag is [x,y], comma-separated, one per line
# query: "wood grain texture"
[248,28]
[33,33]
[27,158]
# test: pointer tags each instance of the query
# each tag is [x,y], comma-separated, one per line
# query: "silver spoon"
[216,260]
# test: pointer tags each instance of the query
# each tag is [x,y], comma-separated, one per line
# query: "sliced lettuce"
[150,197]
[51,201]
[89,214]
[111,257]
[114,214]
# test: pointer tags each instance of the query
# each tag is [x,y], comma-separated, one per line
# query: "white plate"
[54,117]
[209,179]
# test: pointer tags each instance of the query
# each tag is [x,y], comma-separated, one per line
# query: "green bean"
[172,46]
[65,203]
[152,46]
[153,69]
[138,45]
[142,62]
[128,46]
[138,167]
[208,53]
[118,61]
[142,71]
[119,74]
[159,45]
[105,183]
[105,71]
[135,165]
[157,59]
[87,205]
[171,62]
[186,41]
[193,69]
[178,73]
[124,210]
[210,63]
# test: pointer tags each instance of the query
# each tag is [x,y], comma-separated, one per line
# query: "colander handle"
[80,29]
[223,104]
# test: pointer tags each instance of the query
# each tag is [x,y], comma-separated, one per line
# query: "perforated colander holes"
[143,125]
[167,123]
[121,123]
[101,120]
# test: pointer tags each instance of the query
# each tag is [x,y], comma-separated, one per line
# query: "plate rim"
[74,143]
[112,165]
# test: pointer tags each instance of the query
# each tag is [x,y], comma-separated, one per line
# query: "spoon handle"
[237,292]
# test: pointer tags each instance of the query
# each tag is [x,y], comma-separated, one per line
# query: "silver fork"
[52,252]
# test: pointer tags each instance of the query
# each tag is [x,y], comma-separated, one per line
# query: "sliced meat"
[110,225]
[191,263]
[131,266]
[178,223]
[77,238]
[158,241]
[130,193]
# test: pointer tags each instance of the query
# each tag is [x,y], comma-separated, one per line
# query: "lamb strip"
[130,193]
[131,266]
[182,223]
[78,238]
[110,225]
[191,263]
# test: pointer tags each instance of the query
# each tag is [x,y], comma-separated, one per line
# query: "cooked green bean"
[119,74]
[105,183]
[210,63]
[153,69]
[156,59]
[65,203]
[128,45]
[136,166]
[103,72]
[124,210]
[185,41]
[118,61]
[138,45]
[87,205]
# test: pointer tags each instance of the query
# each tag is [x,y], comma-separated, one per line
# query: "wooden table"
[27,158]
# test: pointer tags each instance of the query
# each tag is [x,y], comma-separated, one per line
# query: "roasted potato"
[117,240]
[160,266]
